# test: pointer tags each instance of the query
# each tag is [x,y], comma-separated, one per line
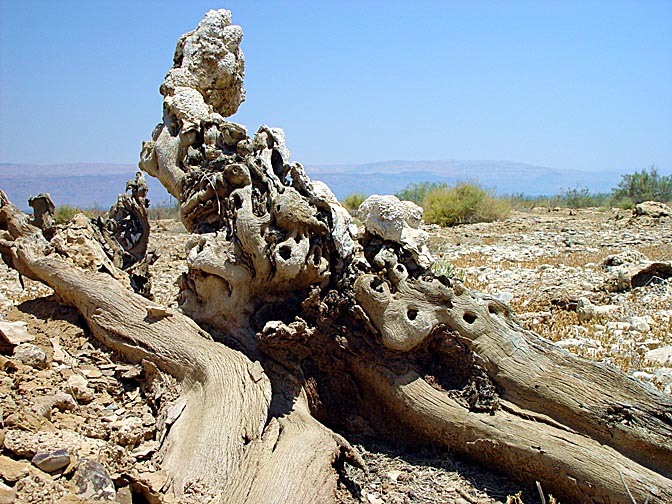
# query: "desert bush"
[465,203]
[644,186]
[581,197]
[65,213]
[417,192]
[352,201]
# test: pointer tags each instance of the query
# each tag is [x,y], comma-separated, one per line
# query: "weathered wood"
[222,440]
[351,329]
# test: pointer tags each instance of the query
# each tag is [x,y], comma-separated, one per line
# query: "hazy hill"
[89,185]
[504,177]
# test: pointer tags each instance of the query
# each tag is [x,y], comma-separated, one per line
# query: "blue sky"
[575,85]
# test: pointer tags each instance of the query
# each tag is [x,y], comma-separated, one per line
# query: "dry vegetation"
[485,260]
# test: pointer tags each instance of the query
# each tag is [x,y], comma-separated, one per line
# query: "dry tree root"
[223,441]
[348,330]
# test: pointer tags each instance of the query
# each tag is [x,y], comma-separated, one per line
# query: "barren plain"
[558,270]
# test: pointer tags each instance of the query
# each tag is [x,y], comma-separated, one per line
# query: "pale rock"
[651,343]
[60,400]
[90,371]
[7,494]
[618,326]
[157,311]
[643,376]
[587,310]
[12,470]
[78,387]
[662,355]
[393,475]
[641,324]
[38,487]
[373,498]
[505,297]
[30,355]
[26,444]
[131,431]
[399,222]
[15,333]
[664,375]
[569,343]
[653,209]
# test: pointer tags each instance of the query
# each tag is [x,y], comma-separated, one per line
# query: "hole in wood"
[469,317]
[285,252]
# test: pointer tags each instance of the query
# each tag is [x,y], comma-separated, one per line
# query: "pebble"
[505,297]
[640,324]
[30,355]
[78,387]
[15,333]
[662,355]
[51,461]
[93,481]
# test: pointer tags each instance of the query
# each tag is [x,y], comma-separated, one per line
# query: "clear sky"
[571,84]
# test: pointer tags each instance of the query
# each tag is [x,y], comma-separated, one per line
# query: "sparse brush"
[447,269]
[65,213]
[466,203]
[352,201]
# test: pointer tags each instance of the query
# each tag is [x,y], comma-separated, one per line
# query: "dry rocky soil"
[78,424]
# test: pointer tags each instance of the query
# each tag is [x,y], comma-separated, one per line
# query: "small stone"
[618,326]
[653,209]
[30,355]
[7,494]
[91,371]
[393,475]
[60,400]
[131,431]
[51,461]
[642,376]
[93,481]
[78,387]
[373,498]
[15,333]
[505,297]
[59,354]
[12,470]
[639,324]
[662,355]
[157,311]
[570,343]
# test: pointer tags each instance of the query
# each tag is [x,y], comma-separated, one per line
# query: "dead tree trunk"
[351,331]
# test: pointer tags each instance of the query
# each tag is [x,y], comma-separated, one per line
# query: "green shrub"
[65,213]
[417,192]
[447,269]
[352,201]
[644,186]
[581,197]
[465,203]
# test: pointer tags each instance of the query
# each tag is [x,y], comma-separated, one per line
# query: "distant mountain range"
[89,185]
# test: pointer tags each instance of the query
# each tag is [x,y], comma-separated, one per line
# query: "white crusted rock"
[15,333]
[399,222]
[209,60]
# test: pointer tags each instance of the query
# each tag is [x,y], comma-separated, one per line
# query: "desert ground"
[558,270]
